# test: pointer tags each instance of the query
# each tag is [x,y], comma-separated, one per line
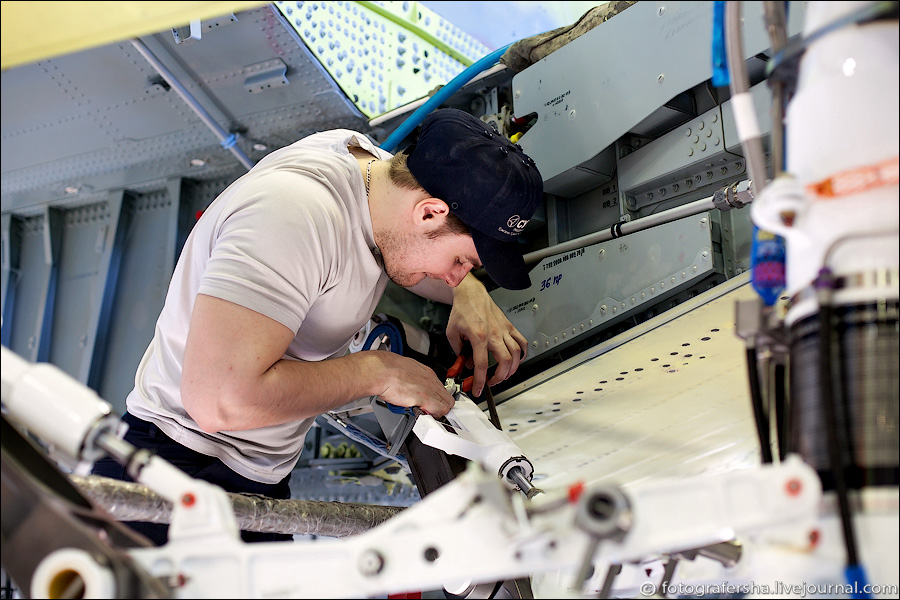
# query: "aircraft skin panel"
[673,402]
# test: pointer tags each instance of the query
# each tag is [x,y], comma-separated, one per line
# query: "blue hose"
[720,76]
[399,134]
[393,333]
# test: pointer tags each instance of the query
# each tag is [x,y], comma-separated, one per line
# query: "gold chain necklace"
[369,174]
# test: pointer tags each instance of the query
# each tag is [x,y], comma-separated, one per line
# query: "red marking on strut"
[793,487]
[575,492]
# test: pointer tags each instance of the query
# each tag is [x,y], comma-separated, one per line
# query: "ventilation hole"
[624,373]
[540,412]
[532,421]
[654,359]
[513,424]
[639,369]
[557,403]
[598,389]
[579,392]
[665,366]
[702,357]
[512,430]
[601,382]
[576,399]
[714,330]
[620,378]
[685,344]
[706,339]
[688,355]
[673,354]
[555,410]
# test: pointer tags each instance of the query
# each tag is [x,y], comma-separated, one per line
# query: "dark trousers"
[147,435]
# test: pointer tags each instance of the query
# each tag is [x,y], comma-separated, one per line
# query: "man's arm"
[234,377]
[476,318]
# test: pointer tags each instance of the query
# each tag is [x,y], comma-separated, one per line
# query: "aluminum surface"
[670,401]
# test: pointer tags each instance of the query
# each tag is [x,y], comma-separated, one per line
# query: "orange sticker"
[855,181]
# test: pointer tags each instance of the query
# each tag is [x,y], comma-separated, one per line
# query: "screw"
[370,563]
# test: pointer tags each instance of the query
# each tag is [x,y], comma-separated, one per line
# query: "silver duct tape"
[126,501]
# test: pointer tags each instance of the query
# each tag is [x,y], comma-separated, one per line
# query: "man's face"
[409,258]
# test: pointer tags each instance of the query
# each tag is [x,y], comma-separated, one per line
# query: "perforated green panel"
[382,54]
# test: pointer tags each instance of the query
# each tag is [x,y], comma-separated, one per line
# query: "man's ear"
[431,213]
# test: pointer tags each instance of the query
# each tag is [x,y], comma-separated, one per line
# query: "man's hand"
[406,382]
[477,319]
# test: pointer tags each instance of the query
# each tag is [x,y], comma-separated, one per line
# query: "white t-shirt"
[291,239]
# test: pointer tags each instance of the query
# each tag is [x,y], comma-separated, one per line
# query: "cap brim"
[503,261]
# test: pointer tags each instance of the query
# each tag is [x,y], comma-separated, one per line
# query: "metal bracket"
[186,34]
[265,75]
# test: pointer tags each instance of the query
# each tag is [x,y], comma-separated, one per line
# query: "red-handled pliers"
[456,370]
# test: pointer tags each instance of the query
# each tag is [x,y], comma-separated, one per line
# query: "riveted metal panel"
[31,289]
[79,265]
[11,250]
[574,293]
[647,54]
[105,119]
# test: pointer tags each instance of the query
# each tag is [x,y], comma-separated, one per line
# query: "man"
[290,261]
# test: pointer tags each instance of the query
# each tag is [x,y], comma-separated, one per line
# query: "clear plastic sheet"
[126,501]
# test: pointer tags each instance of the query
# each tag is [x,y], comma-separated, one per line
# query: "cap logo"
[517,223]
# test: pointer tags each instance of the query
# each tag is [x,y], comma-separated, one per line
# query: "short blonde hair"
[400,174]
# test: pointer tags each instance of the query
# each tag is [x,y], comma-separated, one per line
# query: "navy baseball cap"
[486,180]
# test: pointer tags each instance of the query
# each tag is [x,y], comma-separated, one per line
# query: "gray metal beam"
[148,234]
[111,241]
[11,247]
[43,326]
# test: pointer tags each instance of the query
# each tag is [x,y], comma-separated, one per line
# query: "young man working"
[286,266]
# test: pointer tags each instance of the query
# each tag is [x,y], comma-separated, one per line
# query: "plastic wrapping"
[126,501]
[524,53]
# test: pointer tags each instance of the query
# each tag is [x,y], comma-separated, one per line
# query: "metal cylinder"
[864,379]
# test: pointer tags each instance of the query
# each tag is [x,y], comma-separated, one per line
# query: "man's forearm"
[288,391]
